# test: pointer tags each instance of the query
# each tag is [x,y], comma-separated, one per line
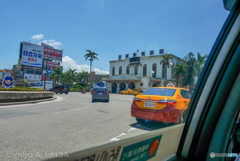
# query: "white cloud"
[37,37]
[68,63]
[52,42]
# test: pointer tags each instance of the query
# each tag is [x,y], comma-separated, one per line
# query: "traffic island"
[21,96]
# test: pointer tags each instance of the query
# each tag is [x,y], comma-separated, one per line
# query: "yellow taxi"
[164,104]
[138,91]
[127,91]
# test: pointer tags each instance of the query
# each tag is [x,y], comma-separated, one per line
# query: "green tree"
[180,70]
[56,75]
[71,76]
[82,76]
[200,63]
[91,56]
[191,60]
[166,63]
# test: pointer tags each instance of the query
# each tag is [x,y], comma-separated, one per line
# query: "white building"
[140,72]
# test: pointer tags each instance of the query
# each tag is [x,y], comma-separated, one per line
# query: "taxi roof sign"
[170,85]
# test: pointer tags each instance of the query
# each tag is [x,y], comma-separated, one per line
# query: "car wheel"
[56,92]
[107,100]
[140,121]
[66,92]
[60,92]
[128,93]
[93,100]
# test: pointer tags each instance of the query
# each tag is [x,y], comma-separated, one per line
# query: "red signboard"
[53,64]
[52,53]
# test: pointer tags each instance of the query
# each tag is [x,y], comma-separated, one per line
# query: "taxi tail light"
[168,102]
[136,100]
[107,92]
[93,92]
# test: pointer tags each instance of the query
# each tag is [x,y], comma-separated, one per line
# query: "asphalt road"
[68,124]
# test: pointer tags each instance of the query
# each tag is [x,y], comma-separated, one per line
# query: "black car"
[61,89]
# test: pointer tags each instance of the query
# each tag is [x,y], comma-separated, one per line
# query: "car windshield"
[101,89]
[52,50]
[160,91]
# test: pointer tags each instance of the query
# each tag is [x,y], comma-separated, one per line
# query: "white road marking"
[74,110]
[122,134]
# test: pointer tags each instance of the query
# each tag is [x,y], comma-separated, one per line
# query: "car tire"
[128,93]
[66,92]
[107,100]
[93,100]
[140,121]
[56,92]
[60,92]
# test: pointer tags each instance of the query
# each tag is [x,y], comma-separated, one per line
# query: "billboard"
[31,54]
[53,64]
[52,53]
[32,77]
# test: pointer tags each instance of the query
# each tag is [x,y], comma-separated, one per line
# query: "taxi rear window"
[160,91]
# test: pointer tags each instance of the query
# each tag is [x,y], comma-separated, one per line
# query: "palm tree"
[166,63]
[200,63]
[91,56]
[84,76]
[56,74]
[72,76]
[180,70]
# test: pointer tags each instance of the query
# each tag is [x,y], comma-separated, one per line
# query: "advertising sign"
[53,64]
[1,74]
[19,64]
[32,54]
[8,82]
[52,53]
[32,77]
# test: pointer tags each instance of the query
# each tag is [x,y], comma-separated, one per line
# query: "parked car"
[61,89]
[163,104]
[138,91]
[101,94]
[127,91]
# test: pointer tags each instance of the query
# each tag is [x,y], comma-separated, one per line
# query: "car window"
[101,89]
[160,91]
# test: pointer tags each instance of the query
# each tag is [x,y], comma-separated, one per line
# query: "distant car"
[163,104]
[61,89]
[127,91]
[138,91]
[101,94]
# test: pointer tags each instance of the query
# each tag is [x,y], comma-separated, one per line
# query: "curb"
[27,102]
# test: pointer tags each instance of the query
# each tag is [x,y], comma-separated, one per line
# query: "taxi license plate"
[149,104]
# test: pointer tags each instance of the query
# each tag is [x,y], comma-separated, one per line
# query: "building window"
[128,70]
[154,70]
[113,71]
[135,70]
[151,52]
[145,70]
[120,70]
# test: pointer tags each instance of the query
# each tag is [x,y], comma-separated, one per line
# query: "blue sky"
[109,28]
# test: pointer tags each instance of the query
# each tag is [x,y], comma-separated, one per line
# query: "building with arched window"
[141,72]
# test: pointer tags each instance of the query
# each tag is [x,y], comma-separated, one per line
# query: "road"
[68,124]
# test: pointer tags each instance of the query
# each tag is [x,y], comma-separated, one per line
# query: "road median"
[24,96]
